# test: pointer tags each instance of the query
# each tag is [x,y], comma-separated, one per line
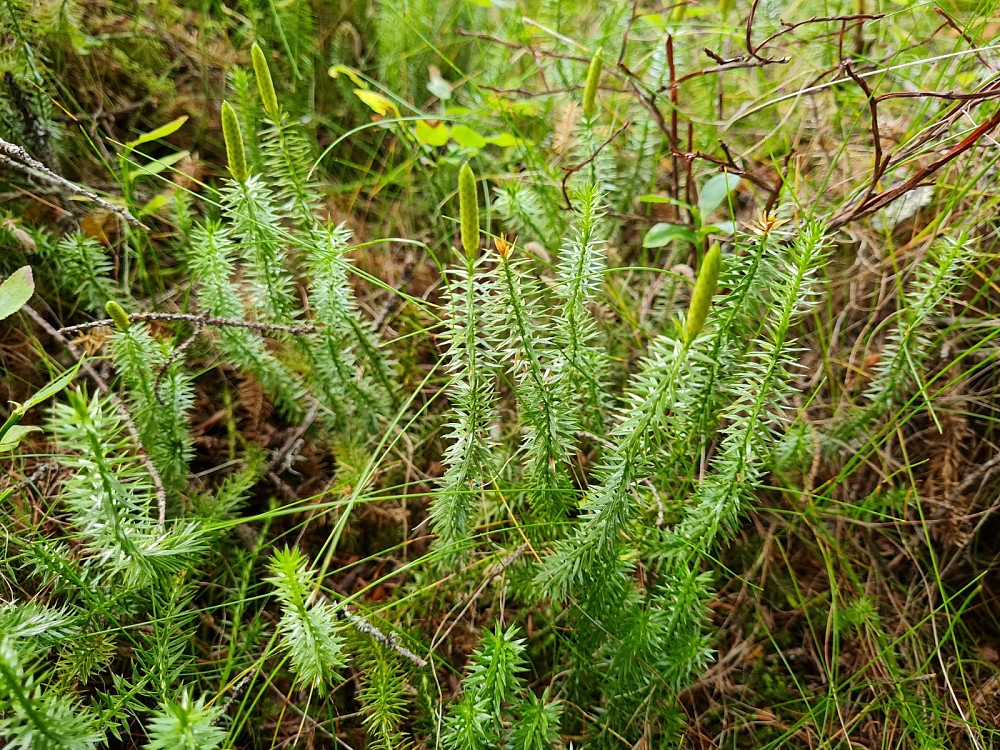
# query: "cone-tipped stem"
[593,81]
[704,290]
[118,315]
[468,204]
[234,144]
[265,84]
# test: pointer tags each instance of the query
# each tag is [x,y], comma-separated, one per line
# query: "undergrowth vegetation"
[522,374]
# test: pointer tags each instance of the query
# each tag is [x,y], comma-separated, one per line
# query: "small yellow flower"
[504,247]
[765,224]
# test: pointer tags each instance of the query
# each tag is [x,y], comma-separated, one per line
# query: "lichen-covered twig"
[389,641]
[17,158]
[202,320]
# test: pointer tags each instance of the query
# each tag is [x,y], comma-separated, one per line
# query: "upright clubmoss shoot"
[468,206]
[704,290]
[265,84]
[235,152]
[593,81]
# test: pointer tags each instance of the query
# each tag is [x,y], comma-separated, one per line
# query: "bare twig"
[102,386]
[672,136]
[749,33]
[872,203]
[278,458]
[727,65]
[788,27]
[628,31]
[961,32]
[730,166]
[204,320]
[754,60]
[880,164]
[775,194]
[175,355]
[576,168]
[389,641]
[18,159]
[531,92]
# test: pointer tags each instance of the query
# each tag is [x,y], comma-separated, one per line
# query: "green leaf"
[720,227]
[662,199]
[663,234]
[503,140]
[51,389]
[154,205]
[431,132]
[161,132]
[15,291]
[467,137]
[14,435]
[157,165]
[714,192]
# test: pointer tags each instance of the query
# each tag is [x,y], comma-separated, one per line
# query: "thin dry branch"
[203,320]
[20,160]
[789,27]
[880,163]
[577,167]
[962,33]
[872,203]
[390,641]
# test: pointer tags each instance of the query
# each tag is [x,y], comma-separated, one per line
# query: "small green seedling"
[712,195]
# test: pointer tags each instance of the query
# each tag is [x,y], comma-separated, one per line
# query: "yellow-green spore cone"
[593,81]
[118,315]
[468,206]
[265,84]
[704,290]
[234,144]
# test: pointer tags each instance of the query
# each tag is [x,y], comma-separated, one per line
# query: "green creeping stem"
[265,85]
[593,79]
[235,152]
[118,315]
[704,290]
[468,206]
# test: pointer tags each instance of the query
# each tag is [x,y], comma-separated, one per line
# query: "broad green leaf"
[662,199]
[15,291]
[467,137]
[161,132]
[51,389]
[430,132]
[14,435]
[379,104]
[714,192]
[158,165]
[720,227]
[154,205]
[663,234]
[503,140]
